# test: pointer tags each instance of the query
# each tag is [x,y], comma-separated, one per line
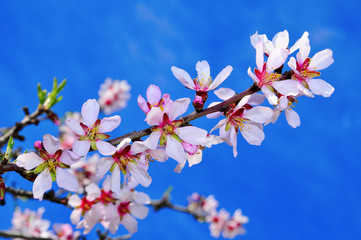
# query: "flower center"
[168,129]
[123,208]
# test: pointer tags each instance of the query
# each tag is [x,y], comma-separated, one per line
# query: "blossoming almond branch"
[126,159]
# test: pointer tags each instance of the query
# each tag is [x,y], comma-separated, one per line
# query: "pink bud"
[38,145]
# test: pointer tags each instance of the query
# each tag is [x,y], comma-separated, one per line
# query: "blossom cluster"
[32,224]
[126,165]
[220,222]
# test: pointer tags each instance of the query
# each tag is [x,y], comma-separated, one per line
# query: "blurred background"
[300,184]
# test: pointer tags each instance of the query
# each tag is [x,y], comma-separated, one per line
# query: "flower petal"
[93,191]
[159,155]
[174,149]
[276,59]
[286,87]
[42,184]
[154,116]
[115,180]
[81,148]
[153,94]
[74,125]
[140,175]
[292,118]
[178,107]
[221,77]
[253,134]
[141,198]
[192,135]
[203,71]
[320,87]
[180,166]
[256,99]
[75,216]
[108,124]
[138,211]
[129,223]
[68,157]
[105,148]
[103,166]
[29,160]
[321,60]
[225,93]
[74,200]
[195,158]
[271,97]
[51,143]
[90,112]
[66,180]
[183,77]
[153,139]
[259,114]
[143,104]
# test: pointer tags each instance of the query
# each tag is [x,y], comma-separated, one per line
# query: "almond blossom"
[242,117]
[264,74]
[92,130]
[168,132]
[50,164]
[217,222]
[285,104]
[203,83]
[124,160]
[202,205]
[234,226]
[154,99]
[305,70]
[113,95]
[65,232]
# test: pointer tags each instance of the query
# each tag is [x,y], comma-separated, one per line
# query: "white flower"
[113,95]
[285,104]
[51,165]
[154,99]
[234,226]
[92,130]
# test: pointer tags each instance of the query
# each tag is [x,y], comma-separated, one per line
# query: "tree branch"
[17,235]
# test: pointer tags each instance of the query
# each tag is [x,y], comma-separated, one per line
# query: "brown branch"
[18,235]
[27,120]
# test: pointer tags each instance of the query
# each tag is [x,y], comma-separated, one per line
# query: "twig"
[15,234]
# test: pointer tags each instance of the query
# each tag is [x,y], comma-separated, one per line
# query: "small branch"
[49,196]
[17,235]
[27,120]
[104,236]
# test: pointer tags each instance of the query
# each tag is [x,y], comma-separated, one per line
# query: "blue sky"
[301,183]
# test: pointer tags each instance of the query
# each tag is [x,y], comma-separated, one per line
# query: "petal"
[241,103]
[108,124]
[154,116]
[221,77]
[252,75]
[153,139]
[66,180]
[29,160]
[192,135]
[143,104]
[105,148]
[81,148]
[215,114]
[321,60]
[140,175]
[138,147]
[220,124]
[203,71]
[320,87]
[129,223]
[75,216]
[74,200]
[141,198]
[195,158]
[292,118]
[69,158]
[174,149]
[271,97]
[259,55]
[292,64]
[178,107]
[253,134]
[180,166]
[286,87]
[90,112]
[42,184]
[183,77]
[256,99]
[51,143]
[276,59]
[153,94]
[115,180]
[138,211]
[93,192]
[300,41]
[74,125]
[259,114]
[281,39]
[225,93]
[123,144]
[103,166]
[233,140]
[159,155]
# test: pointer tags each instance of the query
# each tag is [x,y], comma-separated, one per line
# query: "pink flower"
[113,95]
[203,83]
[51,165]
[234,226]
[167,131]
[65,232]
[124,160]
[217,221]
[67,136]
[202,205]
[92,130]
[306,70]
[242,117]
[154,99]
